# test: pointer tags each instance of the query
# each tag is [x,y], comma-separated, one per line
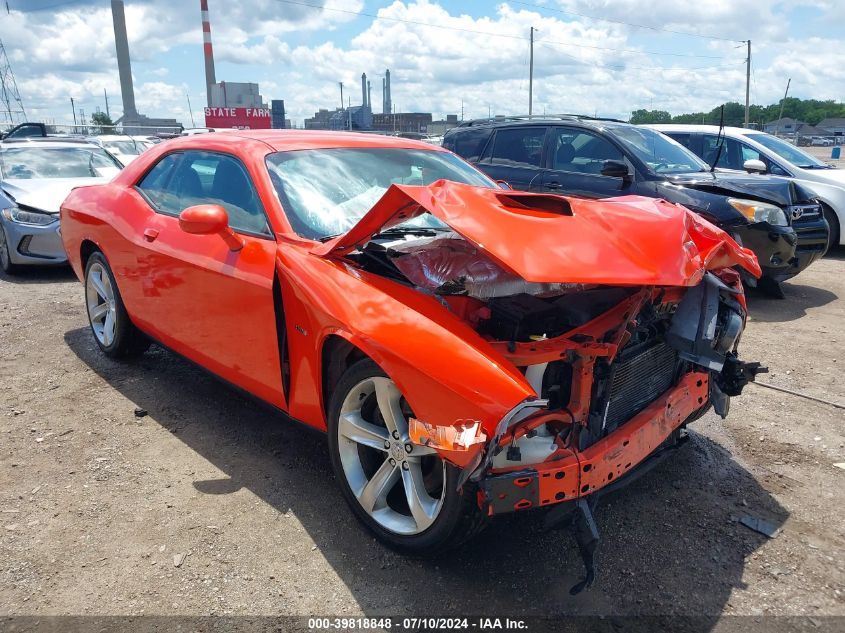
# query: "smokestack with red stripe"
[210,80]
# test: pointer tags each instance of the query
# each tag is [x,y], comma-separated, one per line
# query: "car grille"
[635,382]
[804,212]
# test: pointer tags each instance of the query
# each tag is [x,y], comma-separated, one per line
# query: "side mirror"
[208,219]
[754,166]
[615,169]
[504,185]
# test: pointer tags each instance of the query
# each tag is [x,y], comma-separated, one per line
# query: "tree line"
[808,110]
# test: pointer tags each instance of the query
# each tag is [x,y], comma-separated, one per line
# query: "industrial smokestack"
[369,95]
[124,68]
[388,103]
[364,90]
[210,80]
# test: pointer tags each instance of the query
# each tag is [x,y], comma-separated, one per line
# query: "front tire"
[407,498]
[833,223]
[5,254]
[114,332]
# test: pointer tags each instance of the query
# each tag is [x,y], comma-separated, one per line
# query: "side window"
[155,185]
[749,153]
[468,142]
[580,151]
[730,156]
[681,137]
[518,147]
[194,177]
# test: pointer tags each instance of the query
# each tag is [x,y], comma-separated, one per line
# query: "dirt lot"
[212,504]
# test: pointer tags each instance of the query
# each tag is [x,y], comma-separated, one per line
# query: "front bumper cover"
[774,246]
[582,473]
[35,245]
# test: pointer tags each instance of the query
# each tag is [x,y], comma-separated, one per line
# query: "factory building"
[231,104]
[233,94]
[402,122]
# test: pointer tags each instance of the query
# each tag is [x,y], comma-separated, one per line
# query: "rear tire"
[411,503]
[5,254]
[113,330]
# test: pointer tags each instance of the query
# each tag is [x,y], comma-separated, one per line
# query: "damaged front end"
[623,316]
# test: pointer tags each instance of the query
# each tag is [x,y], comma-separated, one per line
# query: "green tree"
[100,118]
[650,116]
[808,110]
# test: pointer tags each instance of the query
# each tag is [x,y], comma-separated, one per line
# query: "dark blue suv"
[600,158]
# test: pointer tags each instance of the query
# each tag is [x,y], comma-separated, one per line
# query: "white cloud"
[432,69]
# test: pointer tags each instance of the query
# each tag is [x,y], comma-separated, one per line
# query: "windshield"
[123,147]
[787,151]
[661,154]
[326,191]
[85,161]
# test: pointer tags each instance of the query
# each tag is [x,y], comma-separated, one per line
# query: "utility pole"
[106,96]
[462,109]
[780,116]
[72,107]
[531,75]
[747,81]
[190,109]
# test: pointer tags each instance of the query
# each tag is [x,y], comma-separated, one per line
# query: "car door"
[574,163]
[195,294]
[515,155]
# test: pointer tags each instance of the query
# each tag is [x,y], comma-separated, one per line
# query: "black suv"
[599,158]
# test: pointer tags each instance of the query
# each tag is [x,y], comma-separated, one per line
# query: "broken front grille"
[636,381]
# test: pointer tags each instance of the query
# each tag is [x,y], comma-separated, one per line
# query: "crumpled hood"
[44,194]
[739,184]
[548,238]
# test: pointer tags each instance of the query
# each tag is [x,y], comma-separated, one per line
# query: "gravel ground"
[211,504]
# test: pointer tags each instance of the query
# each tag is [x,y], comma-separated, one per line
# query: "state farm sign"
[241,118]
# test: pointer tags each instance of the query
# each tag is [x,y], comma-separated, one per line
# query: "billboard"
[240,118]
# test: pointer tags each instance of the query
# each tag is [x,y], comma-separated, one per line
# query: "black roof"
[587,121]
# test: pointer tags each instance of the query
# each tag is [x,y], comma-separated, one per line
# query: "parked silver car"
[35,177]
[755,151]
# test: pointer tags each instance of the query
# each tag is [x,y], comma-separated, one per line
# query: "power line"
[638,26]
[632,67]
[489,34]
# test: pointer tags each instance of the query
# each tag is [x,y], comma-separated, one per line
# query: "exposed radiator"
[637,381]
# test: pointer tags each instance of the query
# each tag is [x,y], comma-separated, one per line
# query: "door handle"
[150,234]
[553,185]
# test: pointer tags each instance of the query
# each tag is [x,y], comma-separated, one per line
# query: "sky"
[599,57]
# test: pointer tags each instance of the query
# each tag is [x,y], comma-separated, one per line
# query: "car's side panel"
[448,372]
[190,292]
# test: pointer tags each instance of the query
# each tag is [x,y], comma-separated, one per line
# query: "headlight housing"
[755,211]
[31,218]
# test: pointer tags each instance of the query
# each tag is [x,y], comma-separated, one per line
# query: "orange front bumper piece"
[581,473]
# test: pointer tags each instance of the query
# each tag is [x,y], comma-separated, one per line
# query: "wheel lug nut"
[387,443]
[409,447]
[395,435]
[405,466]
[392,462]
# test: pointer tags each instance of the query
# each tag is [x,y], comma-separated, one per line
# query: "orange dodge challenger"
[469,350]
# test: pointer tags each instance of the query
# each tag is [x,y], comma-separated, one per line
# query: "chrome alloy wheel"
[399,484]
[100,299]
